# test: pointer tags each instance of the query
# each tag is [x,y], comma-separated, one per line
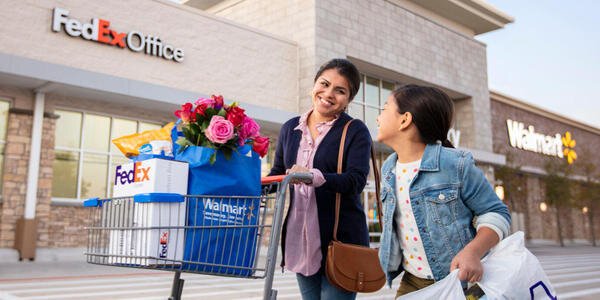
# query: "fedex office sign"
[99,30]
[137,173]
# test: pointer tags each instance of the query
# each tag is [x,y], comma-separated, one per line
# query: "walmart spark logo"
[569,144]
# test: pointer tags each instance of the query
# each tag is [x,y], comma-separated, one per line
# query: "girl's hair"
[431,108]
[346,69]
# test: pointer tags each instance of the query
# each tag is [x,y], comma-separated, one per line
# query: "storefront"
[538,144]
[74,75]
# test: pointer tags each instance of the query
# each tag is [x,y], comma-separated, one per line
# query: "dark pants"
[317,287]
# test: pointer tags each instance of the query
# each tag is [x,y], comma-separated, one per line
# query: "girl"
[440,213]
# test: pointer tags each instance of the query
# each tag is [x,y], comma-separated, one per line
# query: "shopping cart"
[214,235]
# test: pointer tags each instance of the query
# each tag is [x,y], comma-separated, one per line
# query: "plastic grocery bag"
[130,144]
[510,271]
[448,288]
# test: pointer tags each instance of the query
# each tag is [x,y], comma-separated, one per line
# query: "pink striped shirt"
[303,240]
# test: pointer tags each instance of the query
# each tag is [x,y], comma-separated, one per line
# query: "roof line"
[506,99]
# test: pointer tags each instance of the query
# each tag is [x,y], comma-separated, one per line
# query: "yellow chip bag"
[130,144]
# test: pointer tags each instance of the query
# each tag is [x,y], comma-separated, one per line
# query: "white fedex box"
[148,237]
[153,175]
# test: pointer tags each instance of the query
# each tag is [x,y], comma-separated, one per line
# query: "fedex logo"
[164,244]
[136,174]
[99,30]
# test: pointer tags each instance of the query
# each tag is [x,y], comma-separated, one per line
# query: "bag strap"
[338,196]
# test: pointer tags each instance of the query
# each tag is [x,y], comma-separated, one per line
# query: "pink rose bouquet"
[211,123]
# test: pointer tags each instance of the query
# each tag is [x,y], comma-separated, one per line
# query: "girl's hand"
[469,265]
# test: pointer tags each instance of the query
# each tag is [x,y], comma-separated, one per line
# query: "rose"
[185,113]
[205,102]
[261,145]
[235,115]
[219,131]
[248,129]
[218,101]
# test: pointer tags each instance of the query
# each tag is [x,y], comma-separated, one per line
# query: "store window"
[84,155]
[371,97]
[4,106]
[366,106]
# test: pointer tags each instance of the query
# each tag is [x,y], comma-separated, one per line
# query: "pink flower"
[205,102]
[219,130]
[248,130]
[261,145]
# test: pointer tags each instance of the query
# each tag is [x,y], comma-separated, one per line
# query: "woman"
[310,143]
[432,193]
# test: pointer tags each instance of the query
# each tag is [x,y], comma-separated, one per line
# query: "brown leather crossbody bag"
[350,267]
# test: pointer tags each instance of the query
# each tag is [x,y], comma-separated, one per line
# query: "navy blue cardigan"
[352,226]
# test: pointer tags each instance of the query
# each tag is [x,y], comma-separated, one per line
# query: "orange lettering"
[118,38]
[103,31]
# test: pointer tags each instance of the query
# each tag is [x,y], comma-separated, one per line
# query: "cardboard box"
[151,176]
[143,241]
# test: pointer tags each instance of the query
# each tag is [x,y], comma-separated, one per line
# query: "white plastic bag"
[510,271]
[448,288]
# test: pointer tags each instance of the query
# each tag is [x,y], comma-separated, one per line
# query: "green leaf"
[195,128]
[210,112]
[227,153]
[205,125]
[222,113]
[213,158]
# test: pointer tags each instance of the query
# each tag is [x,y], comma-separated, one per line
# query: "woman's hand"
[297,169]
[469,265]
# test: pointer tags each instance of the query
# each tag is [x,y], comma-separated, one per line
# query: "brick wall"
[16,157]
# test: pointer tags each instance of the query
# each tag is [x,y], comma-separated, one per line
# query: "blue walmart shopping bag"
[216,249]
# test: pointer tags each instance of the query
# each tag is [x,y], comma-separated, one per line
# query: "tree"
[558,189]
[510,177]
[588,194]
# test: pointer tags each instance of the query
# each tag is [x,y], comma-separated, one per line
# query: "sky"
[549,56]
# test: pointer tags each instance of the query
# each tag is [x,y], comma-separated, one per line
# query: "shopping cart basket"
[214,235]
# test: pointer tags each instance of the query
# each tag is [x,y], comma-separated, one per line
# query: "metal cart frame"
[126,232]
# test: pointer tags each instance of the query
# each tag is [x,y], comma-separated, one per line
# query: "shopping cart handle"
[271,179]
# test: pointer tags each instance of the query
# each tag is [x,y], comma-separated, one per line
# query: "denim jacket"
[450,197]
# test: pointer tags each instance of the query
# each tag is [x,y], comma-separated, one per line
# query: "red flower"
[261,145]
[185,113]
[236,115]
[201,109]
[218,101]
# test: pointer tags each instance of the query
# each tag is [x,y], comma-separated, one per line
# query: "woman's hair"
[346,69]
[431,108]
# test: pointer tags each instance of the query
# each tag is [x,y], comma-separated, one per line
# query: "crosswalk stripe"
[579,293]
[570,270]
[146,283]
[576,282]
[575,272]
[582,274]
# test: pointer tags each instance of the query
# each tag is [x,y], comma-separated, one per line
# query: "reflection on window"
[64,177]
[68,130]
[97,131]
[85,158]
[93,179]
